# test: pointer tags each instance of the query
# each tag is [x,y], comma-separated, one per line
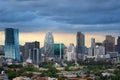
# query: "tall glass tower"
[12,44]
[80,43]
[59,50]
[49,45]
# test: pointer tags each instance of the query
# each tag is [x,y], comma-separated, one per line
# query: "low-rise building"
[73,73]
[80,79]
[21,78]
[42,78]
[3,76]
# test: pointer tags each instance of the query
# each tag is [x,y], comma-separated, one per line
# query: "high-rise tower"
[93,45]
[80,43]
[59,50]
[49,45]
[12,44]
[28,46]
[109,43]
[92,42]
[71,53]
[118,45]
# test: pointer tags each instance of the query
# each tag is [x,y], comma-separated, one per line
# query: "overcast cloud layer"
[61,15]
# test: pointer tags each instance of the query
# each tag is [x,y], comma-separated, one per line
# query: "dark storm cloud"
[61,15]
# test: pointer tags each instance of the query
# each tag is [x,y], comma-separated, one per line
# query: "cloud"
[61,15]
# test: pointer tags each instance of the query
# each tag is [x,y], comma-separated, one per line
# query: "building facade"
[97,50]
[12,44]
[2,50]
[59,50]
[90,52]
[35,55]
[80,43]
[27,47]
[109,44]
[71,53]
[93,46]
[118,45]
[49,45]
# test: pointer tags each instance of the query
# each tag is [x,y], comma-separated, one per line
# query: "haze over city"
[64,18]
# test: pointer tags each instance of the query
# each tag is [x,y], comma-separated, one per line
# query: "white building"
[71,53]
[114,56]
[90,51]
[99,50]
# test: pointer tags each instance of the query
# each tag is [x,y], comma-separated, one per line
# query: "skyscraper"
[80,43]
[99,49]
[49,45]
[27,47]
[92,45]
[109,44]
[71,53]
[35,55]
[12,44]
[59,51]
[92,42]
[118,45]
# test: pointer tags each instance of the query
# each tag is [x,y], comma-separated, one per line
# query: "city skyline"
[68,38]
[61,17]
[60,39]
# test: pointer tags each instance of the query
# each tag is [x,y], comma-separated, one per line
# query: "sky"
[34,18]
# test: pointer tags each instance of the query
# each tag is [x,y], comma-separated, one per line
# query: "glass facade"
[59,50]
[80,42]
[49,45]
[12,44]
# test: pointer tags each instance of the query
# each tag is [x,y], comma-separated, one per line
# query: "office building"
[92,46]
[2,50]
[12,44]
[35,55]
[27,46]
[80,43]
[49,45]
[118,45]
[99,49]
[59,50]
[96,50]
[92,42]
[109,44]
[71,53]
[90,52]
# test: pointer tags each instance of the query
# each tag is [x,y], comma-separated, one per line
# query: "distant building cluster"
[105,50]
[31,52]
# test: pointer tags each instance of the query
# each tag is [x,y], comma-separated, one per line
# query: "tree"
[51,72]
